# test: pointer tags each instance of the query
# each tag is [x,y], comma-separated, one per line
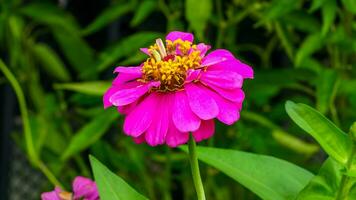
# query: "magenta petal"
[107,95]
[206,130]
[85,188]
[223,79]
[145,51]
[233,65]
[126,96]
[200,102]
[129,70]
[140,139]
[52,195]
[138,121]
[234,95]
[175,35]
[192,75]
[156,133]
[183,117]
[203,48]
[228,111]
[127,108]
[217,56]
[174,137]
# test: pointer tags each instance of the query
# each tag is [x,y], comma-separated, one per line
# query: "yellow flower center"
[168,67]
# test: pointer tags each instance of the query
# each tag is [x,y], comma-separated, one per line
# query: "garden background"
[62,54]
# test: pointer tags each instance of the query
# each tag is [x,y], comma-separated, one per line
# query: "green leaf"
[325,185]
[311,44]
[268,177]
[107,16]
[277,9]
[125,47]
[90,133]
[326,89]
[97,88]
[111,186]
[143,11]
[50,15]
[76,50]
[197,14]
[328,12]
[316,4]
[334,141]
[350,5]
[50,62]
[301,20]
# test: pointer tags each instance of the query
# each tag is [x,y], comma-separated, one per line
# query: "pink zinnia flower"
[178,90]
[83,189]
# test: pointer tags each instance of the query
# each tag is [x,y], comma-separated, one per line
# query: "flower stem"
[195,169]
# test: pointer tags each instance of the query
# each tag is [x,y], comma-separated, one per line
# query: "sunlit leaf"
[96,88]
[325,185]
[268,177]
[334,141]
[111,186]
[90,133]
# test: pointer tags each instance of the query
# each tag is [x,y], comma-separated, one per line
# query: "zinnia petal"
[156,133]
[217,56]
[52,195]
[234,95]
[126,96]
[174,137]
[233,65]
[138,121]
[85,188]
[200,102]
[175,35]
[222,79]
[205,131]
[183,117]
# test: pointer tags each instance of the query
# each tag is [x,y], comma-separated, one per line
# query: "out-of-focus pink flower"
[83,189]
[177,90]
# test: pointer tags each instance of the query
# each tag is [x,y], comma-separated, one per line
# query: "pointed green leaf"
[143,11]
[325,185]
[328,12]
[268,177]
[197,14]
[126,47]
[50,62]
[90,133]
[334,141]
[107,16]
[326,89]
[311,44]
[111,186]
[96,88]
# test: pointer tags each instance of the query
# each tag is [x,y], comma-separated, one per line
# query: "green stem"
[345,180]
[33,156]
[195,169]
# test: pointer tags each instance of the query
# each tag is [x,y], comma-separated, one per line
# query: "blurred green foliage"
[61,65]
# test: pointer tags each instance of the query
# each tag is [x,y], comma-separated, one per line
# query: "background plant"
[59,56]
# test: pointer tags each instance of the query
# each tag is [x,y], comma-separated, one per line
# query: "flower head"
[83,189]
[177,90]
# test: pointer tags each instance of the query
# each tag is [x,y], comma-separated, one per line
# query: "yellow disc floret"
[170,65]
